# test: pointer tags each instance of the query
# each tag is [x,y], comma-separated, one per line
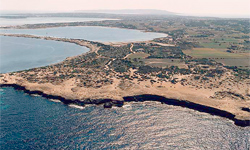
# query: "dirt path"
[107,65]
[131,50]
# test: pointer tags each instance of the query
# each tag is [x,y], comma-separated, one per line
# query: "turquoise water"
[19,53]
[100,34]
[38,20]
[33,122]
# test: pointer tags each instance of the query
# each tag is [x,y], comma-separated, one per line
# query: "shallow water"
[100,34]
[33,122]
[17,53]
[39,20]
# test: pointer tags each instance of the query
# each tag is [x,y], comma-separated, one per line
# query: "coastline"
[79,42]
[106,43]
[114,95]
[67,24]
[108,103]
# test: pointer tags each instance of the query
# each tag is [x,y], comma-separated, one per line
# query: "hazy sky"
[201,7]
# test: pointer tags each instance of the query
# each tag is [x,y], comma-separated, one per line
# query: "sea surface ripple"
[33,122]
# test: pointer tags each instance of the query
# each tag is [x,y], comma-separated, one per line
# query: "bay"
[18,53]
[92,33]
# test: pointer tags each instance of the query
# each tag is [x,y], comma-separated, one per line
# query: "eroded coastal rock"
[109,103]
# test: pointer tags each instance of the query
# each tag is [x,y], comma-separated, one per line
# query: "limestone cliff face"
[242,121]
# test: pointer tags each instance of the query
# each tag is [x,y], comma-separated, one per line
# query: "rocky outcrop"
[227,94]
[246,109]
[108,103]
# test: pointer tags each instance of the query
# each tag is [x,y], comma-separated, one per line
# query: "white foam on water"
[1,91]
[127,107]
[115,107]
[76,106]
[55,100]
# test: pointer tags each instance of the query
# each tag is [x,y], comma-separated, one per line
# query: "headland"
[112,74]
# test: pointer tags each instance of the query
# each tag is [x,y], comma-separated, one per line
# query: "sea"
[33,122]
[13,20]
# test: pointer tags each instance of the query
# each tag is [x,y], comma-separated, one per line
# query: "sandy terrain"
[120,89]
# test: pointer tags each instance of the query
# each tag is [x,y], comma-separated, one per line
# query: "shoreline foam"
[108,103]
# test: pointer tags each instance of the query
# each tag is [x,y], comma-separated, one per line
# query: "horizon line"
[79,11]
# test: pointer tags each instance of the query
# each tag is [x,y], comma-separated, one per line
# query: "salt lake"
[92,33]
[18,53]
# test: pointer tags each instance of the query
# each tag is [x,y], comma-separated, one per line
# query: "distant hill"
[130,11]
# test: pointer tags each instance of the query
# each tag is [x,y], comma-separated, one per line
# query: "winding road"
[131,50]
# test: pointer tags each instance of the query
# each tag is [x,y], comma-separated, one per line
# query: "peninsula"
[175,70]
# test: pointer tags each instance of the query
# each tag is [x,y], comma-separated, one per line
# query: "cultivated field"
[212,53]
[140,55]
[239,62]
[165,63]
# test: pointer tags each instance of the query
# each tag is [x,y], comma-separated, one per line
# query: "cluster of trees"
[121,65]
[114,52]
[239,72]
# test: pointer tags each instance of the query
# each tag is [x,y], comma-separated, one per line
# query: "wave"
[76,106]
[55,100]
[127,107]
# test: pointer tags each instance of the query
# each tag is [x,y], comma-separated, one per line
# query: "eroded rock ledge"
[108,103]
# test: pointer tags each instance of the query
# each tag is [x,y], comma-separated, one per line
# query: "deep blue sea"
[33,122]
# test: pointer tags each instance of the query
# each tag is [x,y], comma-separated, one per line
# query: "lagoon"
[18,53]
[92,33]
